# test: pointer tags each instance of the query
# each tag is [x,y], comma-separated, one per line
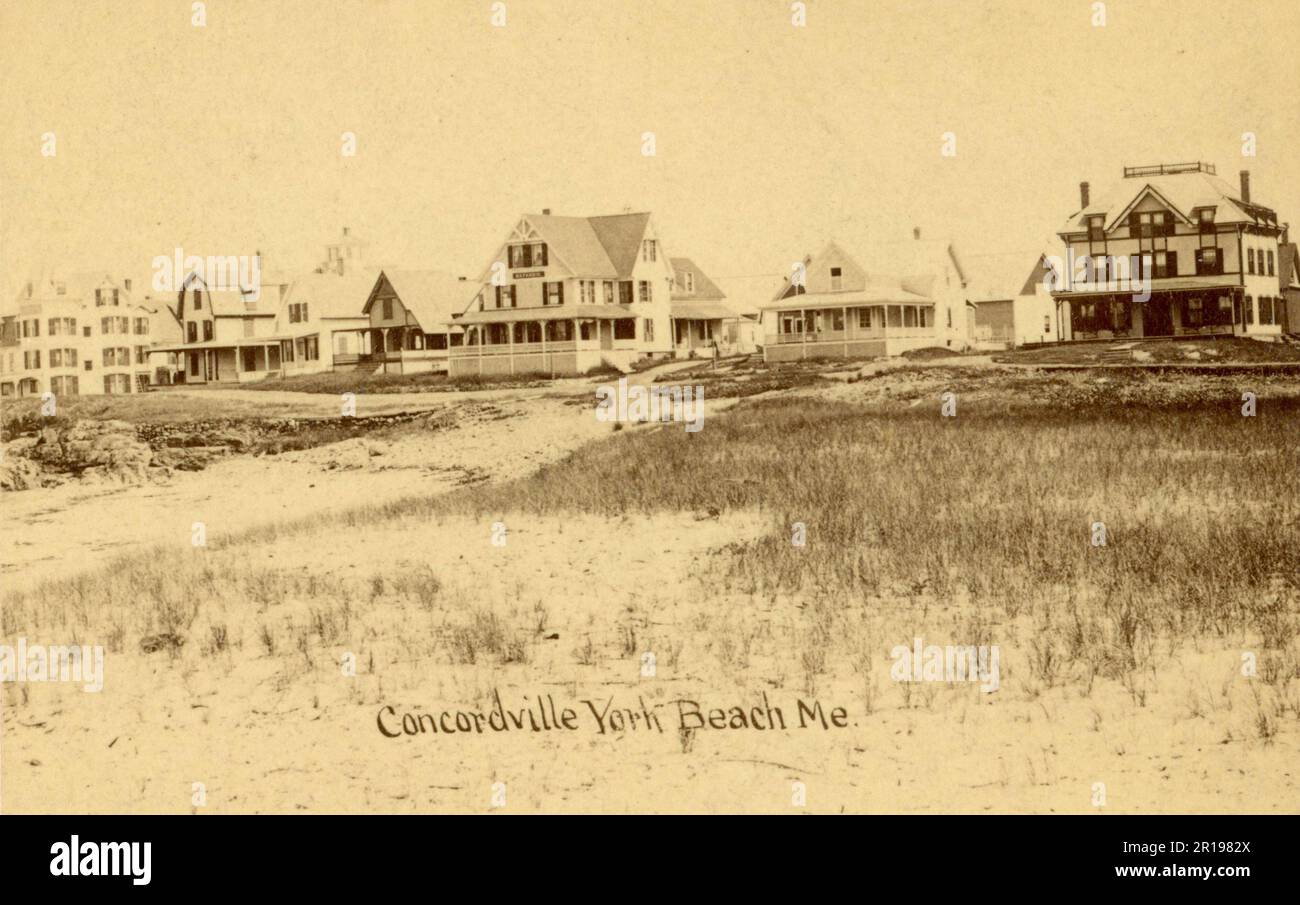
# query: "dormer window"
[837,279]
[1096,228]
[1205,220]
[533,254]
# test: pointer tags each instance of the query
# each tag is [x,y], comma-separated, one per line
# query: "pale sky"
[770,138]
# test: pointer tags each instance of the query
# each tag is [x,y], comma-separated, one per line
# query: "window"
[32,360]
[1250,260]
[85,331]
[837,319]
[895,316]
[141,326]
[909,316]
[531,255]
[553,293]
[342,346]
[609,293]
[625,292]
[54,326]
[1208,261]
[198,300]
[588,291]
[925,317]
[648,251]
[207,330]
[90,365]
[1195,313]
[56,358]
[1166,264]
[1047,323]
[1271,272]
[645,291]
[688,281]
[837,279]
[141,355]
[864,318]
[1265,309]
[625,328]
[1205,220]
[191,332]
[1096,228]
[648,330]
[388,309]
[1250,310]
[505,296]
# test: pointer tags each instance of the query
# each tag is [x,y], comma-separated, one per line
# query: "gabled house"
[409,320]
[1172,250]
[834,306]
[564,295]
[228,335]
[321,323]
[701,318]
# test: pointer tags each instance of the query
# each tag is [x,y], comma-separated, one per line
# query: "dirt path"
[51,532]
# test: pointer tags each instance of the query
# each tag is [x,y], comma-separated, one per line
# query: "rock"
[105,448]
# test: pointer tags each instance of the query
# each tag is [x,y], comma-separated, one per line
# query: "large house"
[565,295]
[910,295]
[228,335]
[409,315]
[1204,251]
[702,320]
[81,334]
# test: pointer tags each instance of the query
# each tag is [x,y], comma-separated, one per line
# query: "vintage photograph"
[656,407]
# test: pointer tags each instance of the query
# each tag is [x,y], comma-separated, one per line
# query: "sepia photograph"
[597,407]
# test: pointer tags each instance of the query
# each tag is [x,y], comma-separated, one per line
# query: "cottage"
[409,320]
[701,318]
[832,306]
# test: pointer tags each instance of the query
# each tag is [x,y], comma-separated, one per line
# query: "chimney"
[916,232]
[1084,195]
[1245,186]
[546,212]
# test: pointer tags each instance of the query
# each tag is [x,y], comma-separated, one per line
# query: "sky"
[770,138]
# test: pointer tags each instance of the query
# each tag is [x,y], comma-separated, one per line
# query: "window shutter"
[1134,224]
[560,286]
[1171,263]
[545,255]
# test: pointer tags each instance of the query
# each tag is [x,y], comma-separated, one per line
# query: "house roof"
[1181,192]
[703,310]
[599,247]
[872,294]
[705,288]
[551,313]
[912,267]
[431,296]
[333,295]
[999,276]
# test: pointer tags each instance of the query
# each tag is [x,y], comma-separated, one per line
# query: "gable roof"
[224,302]
[1182,193]
[431,296]
[333,295]
[913,266]
[705,288]
[597,247]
